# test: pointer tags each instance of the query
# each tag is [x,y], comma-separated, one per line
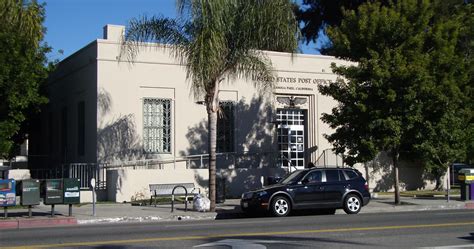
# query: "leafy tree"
[447,104]
[22,66]
[316,14]
[400,93]
[216,40]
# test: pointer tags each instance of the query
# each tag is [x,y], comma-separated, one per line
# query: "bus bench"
[166,189]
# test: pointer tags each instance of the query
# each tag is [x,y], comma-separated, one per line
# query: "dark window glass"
[332,175]
[314,177]
[225,127]
[351,174]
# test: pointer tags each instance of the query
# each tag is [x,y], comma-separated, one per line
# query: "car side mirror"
[305,181]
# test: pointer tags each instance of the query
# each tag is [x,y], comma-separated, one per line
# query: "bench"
[166,189]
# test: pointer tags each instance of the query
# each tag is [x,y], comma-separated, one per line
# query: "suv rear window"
[351,174]
[332,175]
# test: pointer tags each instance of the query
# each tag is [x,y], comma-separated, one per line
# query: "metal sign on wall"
[53,192]
[72,193]
[7,193]
[30,192]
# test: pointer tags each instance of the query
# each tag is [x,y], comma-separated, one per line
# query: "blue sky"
[72,24]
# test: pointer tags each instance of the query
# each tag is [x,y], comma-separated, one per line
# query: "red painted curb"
[470,205]
[8,224]
[25,223]
[37,222]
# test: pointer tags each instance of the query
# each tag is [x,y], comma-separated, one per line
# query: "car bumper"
[366,201]
[253,205]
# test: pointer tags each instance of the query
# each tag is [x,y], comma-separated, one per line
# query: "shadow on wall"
[252,142]
[411,174]
[117,140]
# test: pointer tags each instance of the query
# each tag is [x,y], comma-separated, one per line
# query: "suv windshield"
[291,177]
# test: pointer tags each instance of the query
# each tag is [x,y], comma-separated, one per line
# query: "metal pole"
[448,187]
[29,211]
[172,202]
[52,210]
[70,209]
[93,202]
[5,212]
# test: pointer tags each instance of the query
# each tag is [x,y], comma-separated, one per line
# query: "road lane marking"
[230,223]
[198,237]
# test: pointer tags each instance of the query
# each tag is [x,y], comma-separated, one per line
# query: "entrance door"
[291,142]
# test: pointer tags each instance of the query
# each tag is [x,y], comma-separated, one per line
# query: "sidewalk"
[230,209]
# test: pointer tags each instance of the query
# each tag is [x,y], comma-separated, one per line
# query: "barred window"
[157,125]
[225,127]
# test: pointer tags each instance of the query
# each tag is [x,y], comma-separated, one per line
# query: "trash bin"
[466,177]
[220,190]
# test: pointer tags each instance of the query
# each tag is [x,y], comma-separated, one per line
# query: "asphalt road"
[398,230]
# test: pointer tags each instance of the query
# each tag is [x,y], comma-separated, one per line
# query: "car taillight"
[366,186]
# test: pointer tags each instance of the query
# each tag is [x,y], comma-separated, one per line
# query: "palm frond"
[144,32]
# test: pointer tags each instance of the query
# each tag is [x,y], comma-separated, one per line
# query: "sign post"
[93,196]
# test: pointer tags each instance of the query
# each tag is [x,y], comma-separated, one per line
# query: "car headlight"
[247,195]
[260,193]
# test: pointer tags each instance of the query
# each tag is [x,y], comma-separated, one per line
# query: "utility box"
[53,191]
[466,177]
[7,193]
[29,190]
[72,193]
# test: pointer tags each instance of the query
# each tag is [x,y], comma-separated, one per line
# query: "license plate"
[246,205]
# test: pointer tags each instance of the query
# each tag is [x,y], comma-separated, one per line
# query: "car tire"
[352,204]
[281,206]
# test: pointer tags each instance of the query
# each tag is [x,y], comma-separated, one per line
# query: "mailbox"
[53,191]
[7,193]
[72,193]
[466,177]
[29,191]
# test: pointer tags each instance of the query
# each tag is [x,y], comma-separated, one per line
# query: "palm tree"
[217,40]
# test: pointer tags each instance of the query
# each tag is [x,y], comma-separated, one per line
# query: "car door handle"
[321,188]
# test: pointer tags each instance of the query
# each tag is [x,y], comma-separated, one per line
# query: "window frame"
[165,127]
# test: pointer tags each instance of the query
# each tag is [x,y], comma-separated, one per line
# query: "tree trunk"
[212,116]
[212,104]
[395,156]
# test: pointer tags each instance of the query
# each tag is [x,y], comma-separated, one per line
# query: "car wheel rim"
[281,207]
[353,204]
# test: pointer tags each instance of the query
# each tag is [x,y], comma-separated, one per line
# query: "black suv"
[315,188]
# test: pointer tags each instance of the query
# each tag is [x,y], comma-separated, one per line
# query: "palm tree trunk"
[212,102]
[212,117]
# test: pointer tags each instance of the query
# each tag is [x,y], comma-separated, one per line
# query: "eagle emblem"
[291,101]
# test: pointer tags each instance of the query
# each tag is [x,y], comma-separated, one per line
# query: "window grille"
[225,127]
[157,125]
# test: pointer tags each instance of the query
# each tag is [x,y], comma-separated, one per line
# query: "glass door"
[291,142]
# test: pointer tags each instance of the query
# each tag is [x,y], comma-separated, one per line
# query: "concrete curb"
[18,223]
